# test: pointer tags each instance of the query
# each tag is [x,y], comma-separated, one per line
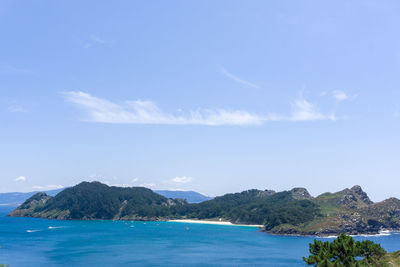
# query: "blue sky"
[214,96]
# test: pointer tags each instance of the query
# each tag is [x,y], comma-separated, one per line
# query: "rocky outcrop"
[361,195]
[266,193]
[350,212]
[293,212]
[385,214]
[348,198]
[300,193]
[28,207]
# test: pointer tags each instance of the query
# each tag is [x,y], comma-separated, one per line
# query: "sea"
[41,242]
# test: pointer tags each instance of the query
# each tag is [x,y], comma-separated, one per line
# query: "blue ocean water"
[39,242]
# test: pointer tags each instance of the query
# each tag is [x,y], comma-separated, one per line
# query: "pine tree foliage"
[344,251]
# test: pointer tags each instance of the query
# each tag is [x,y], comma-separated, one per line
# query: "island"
[293,212]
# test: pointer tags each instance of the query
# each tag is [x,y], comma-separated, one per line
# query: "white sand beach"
[215,222]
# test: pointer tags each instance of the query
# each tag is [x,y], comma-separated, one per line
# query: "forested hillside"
[289,212]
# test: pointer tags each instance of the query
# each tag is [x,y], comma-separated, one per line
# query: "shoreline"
[384,232]
[215,223]
[377,234]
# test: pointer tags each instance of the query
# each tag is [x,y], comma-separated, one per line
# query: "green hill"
[95,200]
[293,212]
[256,207]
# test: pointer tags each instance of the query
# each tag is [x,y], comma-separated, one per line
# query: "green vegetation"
[349,211]
[390,259]
[345,251]
[255,207]
[98,201]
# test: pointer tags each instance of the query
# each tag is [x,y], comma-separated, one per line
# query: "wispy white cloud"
[20,179]
[101,178]
[342,96]
[47,187]
[116,184]
[147,112]
[148,185]
[237,79]
[302,110]
[182,179]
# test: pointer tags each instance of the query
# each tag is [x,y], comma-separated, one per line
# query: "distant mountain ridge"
[17,198]
[189,196]
[293,212]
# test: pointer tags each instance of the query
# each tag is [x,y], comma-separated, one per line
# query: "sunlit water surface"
[38,242]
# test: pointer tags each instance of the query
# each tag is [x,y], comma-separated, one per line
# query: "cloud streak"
[148,185]
[237,79]
[47,187]
[302,110]
[182,179]
[147,112]
[342,96]
[20,179]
